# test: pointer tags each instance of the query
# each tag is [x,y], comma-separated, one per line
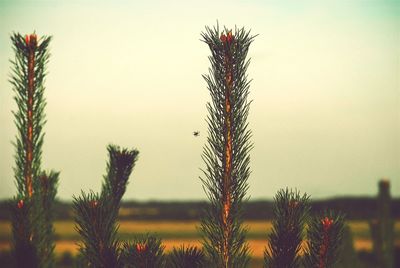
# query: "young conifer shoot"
[290,215]
[325,233]
[226,155]
[96,215]
[143,252]
[32,210]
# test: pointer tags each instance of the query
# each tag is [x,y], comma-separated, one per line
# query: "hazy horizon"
[261,199]
[325,115]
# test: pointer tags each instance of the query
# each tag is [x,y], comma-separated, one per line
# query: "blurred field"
[175,233]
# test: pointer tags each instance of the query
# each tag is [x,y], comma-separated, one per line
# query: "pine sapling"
[144,252]
[96,215]
[36,193]
[95,222]
[290,215]
[325,234]
[226,155]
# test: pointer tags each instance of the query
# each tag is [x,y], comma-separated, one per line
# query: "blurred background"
[325,115]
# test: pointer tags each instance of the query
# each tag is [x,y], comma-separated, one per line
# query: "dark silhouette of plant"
[144,252]
[290,215]
[96,215]
[187,257]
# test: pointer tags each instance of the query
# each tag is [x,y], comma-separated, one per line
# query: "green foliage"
[19,81]
[44,202]
[143,252]
[25,250]
[96,215]
[36,190]
[119,168]
[187,257]
[96,223]
[291,212]
[226,155]
[382,229]
[325,234]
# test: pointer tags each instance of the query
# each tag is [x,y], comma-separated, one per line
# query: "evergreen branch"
[24,250]
[48,183]
[37,192]
[226,154]
[187,257]
[143,252]
[119,167]
[324,240]
[290,214]
[95,222]
[96,215]
[27,78]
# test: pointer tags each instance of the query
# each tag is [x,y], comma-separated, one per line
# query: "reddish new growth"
[20,204]
[226,38]
[94,203]
[326,225]
[293,204]
[140,247]
[31,40]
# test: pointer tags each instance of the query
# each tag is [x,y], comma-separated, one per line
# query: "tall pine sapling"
[227,153]
[96,215]
[35,194]
[290,215]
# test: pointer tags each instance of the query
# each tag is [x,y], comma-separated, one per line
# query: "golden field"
[175,233]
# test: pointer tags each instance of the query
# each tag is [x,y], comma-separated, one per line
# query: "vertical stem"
[326,240]
[29,139]
[227,198]
[323,250]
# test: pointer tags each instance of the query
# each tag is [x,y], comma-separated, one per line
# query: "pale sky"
[325,114]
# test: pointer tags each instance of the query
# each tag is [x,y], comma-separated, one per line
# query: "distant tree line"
[355,208]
